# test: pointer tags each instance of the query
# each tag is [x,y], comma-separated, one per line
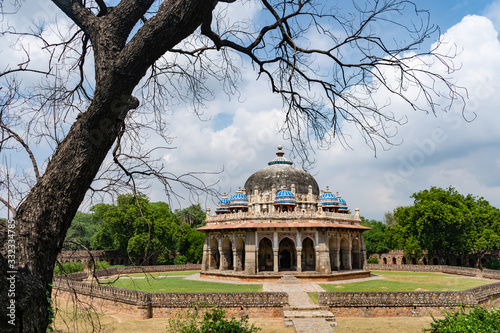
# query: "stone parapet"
[397,299]
[299,215]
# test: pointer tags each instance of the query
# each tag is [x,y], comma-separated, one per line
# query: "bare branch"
[26,147]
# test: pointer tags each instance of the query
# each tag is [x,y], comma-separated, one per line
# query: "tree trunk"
[45,215]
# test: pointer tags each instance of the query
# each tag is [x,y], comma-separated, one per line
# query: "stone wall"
[416,303]
[146,305]
[131,270]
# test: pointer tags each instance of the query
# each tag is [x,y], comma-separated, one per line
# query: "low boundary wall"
[270,304]
[145,305]
[416,303]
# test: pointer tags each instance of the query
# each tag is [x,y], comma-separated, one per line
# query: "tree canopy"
[110,71]
[445,222]
[378,239]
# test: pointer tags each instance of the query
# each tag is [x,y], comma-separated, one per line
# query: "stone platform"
[276,276]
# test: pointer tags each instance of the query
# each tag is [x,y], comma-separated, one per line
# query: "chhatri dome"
[281,172]
[280,222]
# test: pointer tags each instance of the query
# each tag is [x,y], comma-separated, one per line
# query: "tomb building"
[281,223]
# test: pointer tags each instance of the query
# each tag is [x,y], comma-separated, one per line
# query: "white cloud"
[435,151]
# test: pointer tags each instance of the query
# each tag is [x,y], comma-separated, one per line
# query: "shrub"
[101,265]
[212,321]
[68,267]
[180,260]
[372,260]
[465,320]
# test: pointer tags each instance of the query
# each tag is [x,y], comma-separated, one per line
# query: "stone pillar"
[276,257]
[236,262]
[334,254]
[206,255]
[222,258]
[251,254]
[322,254]
[349,260]
[299,259]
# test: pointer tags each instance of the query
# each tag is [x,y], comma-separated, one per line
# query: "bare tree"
[327,62]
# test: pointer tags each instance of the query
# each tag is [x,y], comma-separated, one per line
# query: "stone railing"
[282,215]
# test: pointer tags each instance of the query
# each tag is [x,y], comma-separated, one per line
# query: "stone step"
[306,308]
[311,315]
[312,325]
[289,279]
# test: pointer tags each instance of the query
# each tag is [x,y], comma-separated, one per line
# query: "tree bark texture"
[45,215]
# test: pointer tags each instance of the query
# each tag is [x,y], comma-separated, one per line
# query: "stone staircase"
[289,279]
[314,315]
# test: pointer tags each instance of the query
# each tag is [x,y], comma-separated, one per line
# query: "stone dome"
[281,172]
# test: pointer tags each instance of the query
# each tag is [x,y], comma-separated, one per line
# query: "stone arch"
[227,254]
[266,259]
[435,261]
[287,255]
[122,261]
[308,255]
[240,254]
[345,255]
[112,262]
[394,260]
[425,261]
[334,254]
[214,254]
[459,262]
[384,260]
[356,254]
[403,261]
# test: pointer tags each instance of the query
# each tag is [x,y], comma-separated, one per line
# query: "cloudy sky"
[462,149]
[454,149]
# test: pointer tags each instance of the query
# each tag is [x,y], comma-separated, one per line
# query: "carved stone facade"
[282,223]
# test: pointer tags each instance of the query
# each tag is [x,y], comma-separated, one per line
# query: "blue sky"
[239,134]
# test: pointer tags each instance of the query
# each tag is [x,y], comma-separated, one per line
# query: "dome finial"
[279,159]
[280,152]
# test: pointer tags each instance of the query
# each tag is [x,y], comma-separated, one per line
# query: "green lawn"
[409,281]
[175,282]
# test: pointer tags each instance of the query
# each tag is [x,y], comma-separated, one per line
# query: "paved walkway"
[302,313]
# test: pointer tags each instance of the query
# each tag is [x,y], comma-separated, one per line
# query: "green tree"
[81,231]
[377,239]
[192,215]
[191,243]
[137,227]
[445,222]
